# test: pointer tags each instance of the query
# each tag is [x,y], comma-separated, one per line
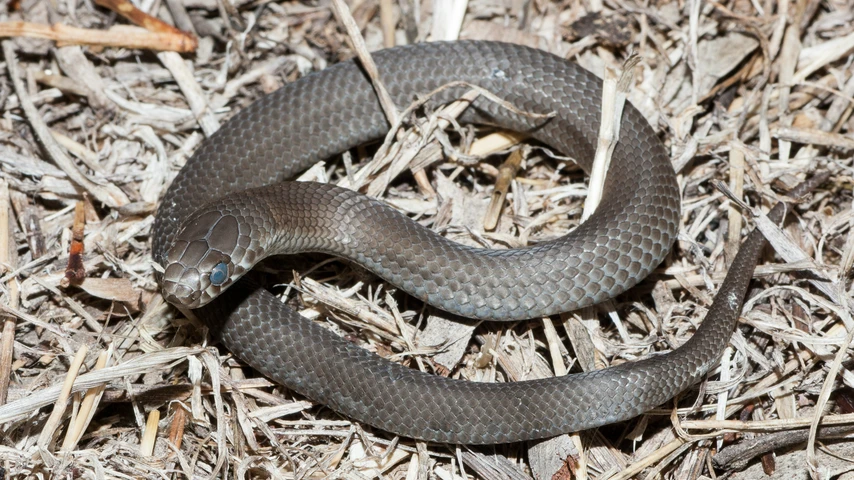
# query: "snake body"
[230,206]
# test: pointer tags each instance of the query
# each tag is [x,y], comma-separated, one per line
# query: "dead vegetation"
[104,380]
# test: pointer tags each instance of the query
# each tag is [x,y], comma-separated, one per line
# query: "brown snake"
[232,208]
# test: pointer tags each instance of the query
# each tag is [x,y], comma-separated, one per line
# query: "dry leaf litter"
[754,94]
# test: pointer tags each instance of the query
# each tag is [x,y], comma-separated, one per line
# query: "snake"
[232,205]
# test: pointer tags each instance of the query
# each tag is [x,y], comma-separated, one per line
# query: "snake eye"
[219,274]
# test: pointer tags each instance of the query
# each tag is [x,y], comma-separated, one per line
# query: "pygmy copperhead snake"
[336,109]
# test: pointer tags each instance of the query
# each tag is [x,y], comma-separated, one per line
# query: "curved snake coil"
[326,113]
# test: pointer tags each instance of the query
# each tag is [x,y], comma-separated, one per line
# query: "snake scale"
[231,205]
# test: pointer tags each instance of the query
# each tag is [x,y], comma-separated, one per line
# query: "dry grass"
[109,382]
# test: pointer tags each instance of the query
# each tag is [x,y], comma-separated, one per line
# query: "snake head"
[209,253]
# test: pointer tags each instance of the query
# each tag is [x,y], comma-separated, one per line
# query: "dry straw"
[108,381]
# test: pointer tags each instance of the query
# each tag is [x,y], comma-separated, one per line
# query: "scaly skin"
[329,112]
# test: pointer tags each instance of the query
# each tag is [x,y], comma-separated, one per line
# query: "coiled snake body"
[329,112]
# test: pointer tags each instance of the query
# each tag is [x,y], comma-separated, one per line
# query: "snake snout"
[181,295]
[187,279]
